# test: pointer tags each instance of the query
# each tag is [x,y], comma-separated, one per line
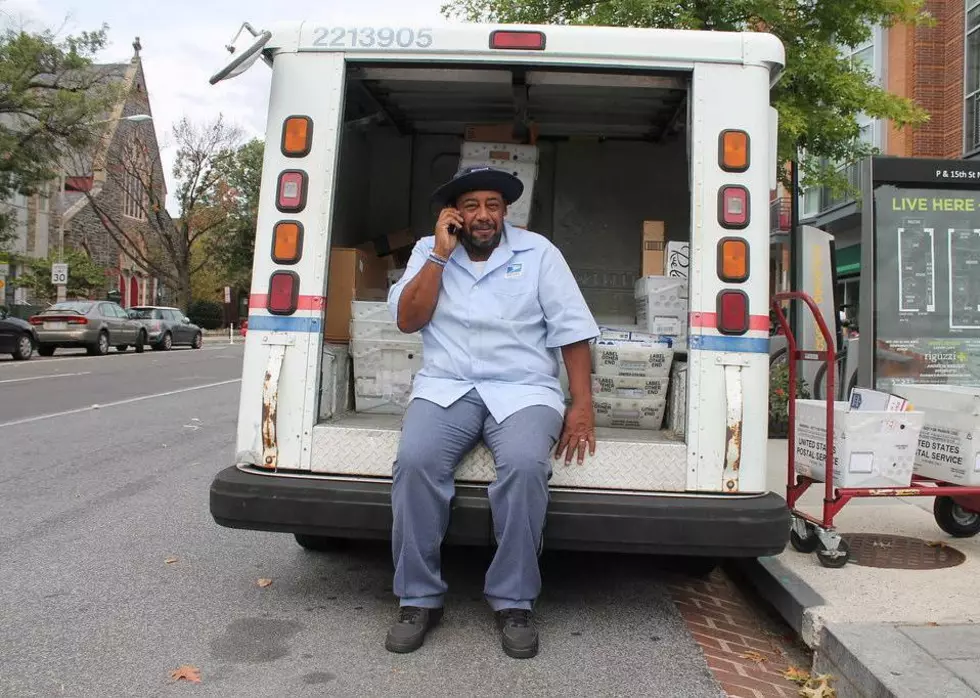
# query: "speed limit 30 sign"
[59,274]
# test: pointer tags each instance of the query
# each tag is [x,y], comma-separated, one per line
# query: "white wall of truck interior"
[313,84]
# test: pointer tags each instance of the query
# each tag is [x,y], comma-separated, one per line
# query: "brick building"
[937,66]
[111,175]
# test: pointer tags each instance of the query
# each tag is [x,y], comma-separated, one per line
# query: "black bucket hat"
[479,178]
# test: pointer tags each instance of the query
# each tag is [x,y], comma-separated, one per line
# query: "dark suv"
[166,327]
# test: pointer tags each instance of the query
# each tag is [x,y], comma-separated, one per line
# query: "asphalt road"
[94,502]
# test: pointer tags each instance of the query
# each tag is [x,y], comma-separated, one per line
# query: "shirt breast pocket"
[516,300]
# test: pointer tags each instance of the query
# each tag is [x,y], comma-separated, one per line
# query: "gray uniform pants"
[434,439]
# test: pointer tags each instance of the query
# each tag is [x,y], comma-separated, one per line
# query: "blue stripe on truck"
[283,323]
[748,345]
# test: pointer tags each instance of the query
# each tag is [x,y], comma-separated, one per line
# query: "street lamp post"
[63,288]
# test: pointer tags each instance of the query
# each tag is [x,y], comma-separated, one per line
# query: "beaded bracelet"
[433,257]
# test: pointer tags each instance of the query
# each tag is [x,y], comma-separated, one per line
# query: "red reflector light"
[733,206]
[283,293]
[291,192]
[733,312]
[518,40]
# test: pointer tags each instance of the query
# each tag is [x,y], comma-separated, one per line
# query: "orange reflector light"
[519,40]
[291,192]
[733,206]
[733,150]
[287,242]
[283,293]
[297,136]
[733,260]
[733,312]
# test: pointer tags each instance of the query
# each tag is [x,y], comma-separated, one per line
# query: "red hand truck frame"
[957,508]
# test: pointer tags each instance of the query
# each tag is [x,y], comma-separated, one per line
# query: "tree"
[233,243]
[85,277]
[172,249]
[51,99]
[821,93]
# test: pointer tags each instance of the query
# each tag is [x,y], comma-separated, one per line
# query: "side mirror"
[187,321]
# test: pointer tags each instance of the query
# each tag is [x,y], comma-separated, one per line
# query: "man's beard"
[478,246]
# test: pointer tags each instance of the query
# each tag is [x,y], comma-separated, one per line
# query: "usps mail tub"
[871,449]
[949,445]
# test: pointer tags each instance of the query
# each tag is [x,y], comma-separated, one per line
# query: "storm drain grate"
[900,552]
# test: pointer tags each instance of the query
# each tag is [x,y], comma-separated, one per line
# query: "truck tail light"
[733,206]
[733,150]
[287,242]
[733,260]
[283,293]
[519,40]
[733,312]
[297,136]
[291,192]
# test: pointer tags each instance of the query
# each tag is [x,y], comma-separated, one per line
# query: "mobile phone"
[453,229]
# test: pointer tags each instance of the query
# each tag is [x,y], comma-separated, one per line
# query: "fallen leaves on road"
[937,544]
[754,656]
[171,560]
[933,624]
[819,687]
[186,673]
[263,583]
[797,675]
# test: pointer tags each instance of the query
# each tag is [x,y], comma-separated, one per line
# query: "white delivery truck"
[629,126]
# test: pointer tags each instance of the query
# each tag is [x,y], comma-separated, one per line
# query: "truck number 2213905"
[372,37]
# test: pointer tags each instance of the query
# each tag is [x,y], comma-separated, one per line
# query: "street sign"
[59,274]
[227,294]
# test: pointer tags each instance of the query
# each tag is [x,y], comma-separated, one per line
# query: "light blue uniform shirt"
[499,332]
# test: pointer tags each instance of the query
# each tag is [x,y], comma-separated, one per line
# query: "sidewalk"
[882,632]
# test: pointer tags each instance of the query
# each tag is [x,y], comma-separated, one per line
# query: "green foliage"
[85,277]
[233,243]
[51,100]
[779,392]
[207,314]
[821,93]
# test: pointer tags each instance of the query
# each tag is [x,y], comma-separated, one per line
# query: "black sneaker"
[408,632]
[517,632]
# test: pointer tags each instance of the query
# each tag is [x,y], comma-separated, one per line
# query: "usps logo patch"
[514,271]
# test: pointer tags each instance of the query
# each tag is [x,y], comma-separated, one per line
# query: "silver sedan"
[93,325]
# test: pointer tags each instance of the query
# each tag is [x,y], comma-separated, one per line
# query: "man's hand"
[445,241]
[578,432]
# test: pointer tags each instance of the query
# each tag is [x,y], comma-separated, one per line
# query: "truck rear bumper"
[723,526]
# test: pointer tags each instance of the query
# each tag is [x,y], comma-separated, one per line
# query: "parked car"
[17,337]
[94,325]
[167,327]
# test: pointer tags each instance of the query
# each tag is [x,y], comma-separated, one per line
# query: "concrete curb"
[877,659]
[788,594]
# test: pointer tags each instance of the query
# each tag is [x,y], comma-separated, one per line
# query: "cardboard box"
[871,449]
[392,242]
[653,248]
[662,307]
[335,380]
[499,133]
[629,413]
[639,359]
[354,275]
[628,387]
[949,444]
[678,259]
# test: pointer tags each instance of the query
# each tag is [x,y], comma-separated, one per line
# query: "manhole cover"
[900,552]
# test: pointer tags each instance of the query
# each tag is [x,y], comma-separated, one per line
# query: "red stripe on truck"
[710,320]
[261,300]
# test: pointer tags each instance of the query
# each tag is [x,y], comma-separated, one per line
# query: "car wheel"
[25,348]
[140,345]
[101,346]
[166,342]
[45,351]
[198,341]
[122,347]
[320,544]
